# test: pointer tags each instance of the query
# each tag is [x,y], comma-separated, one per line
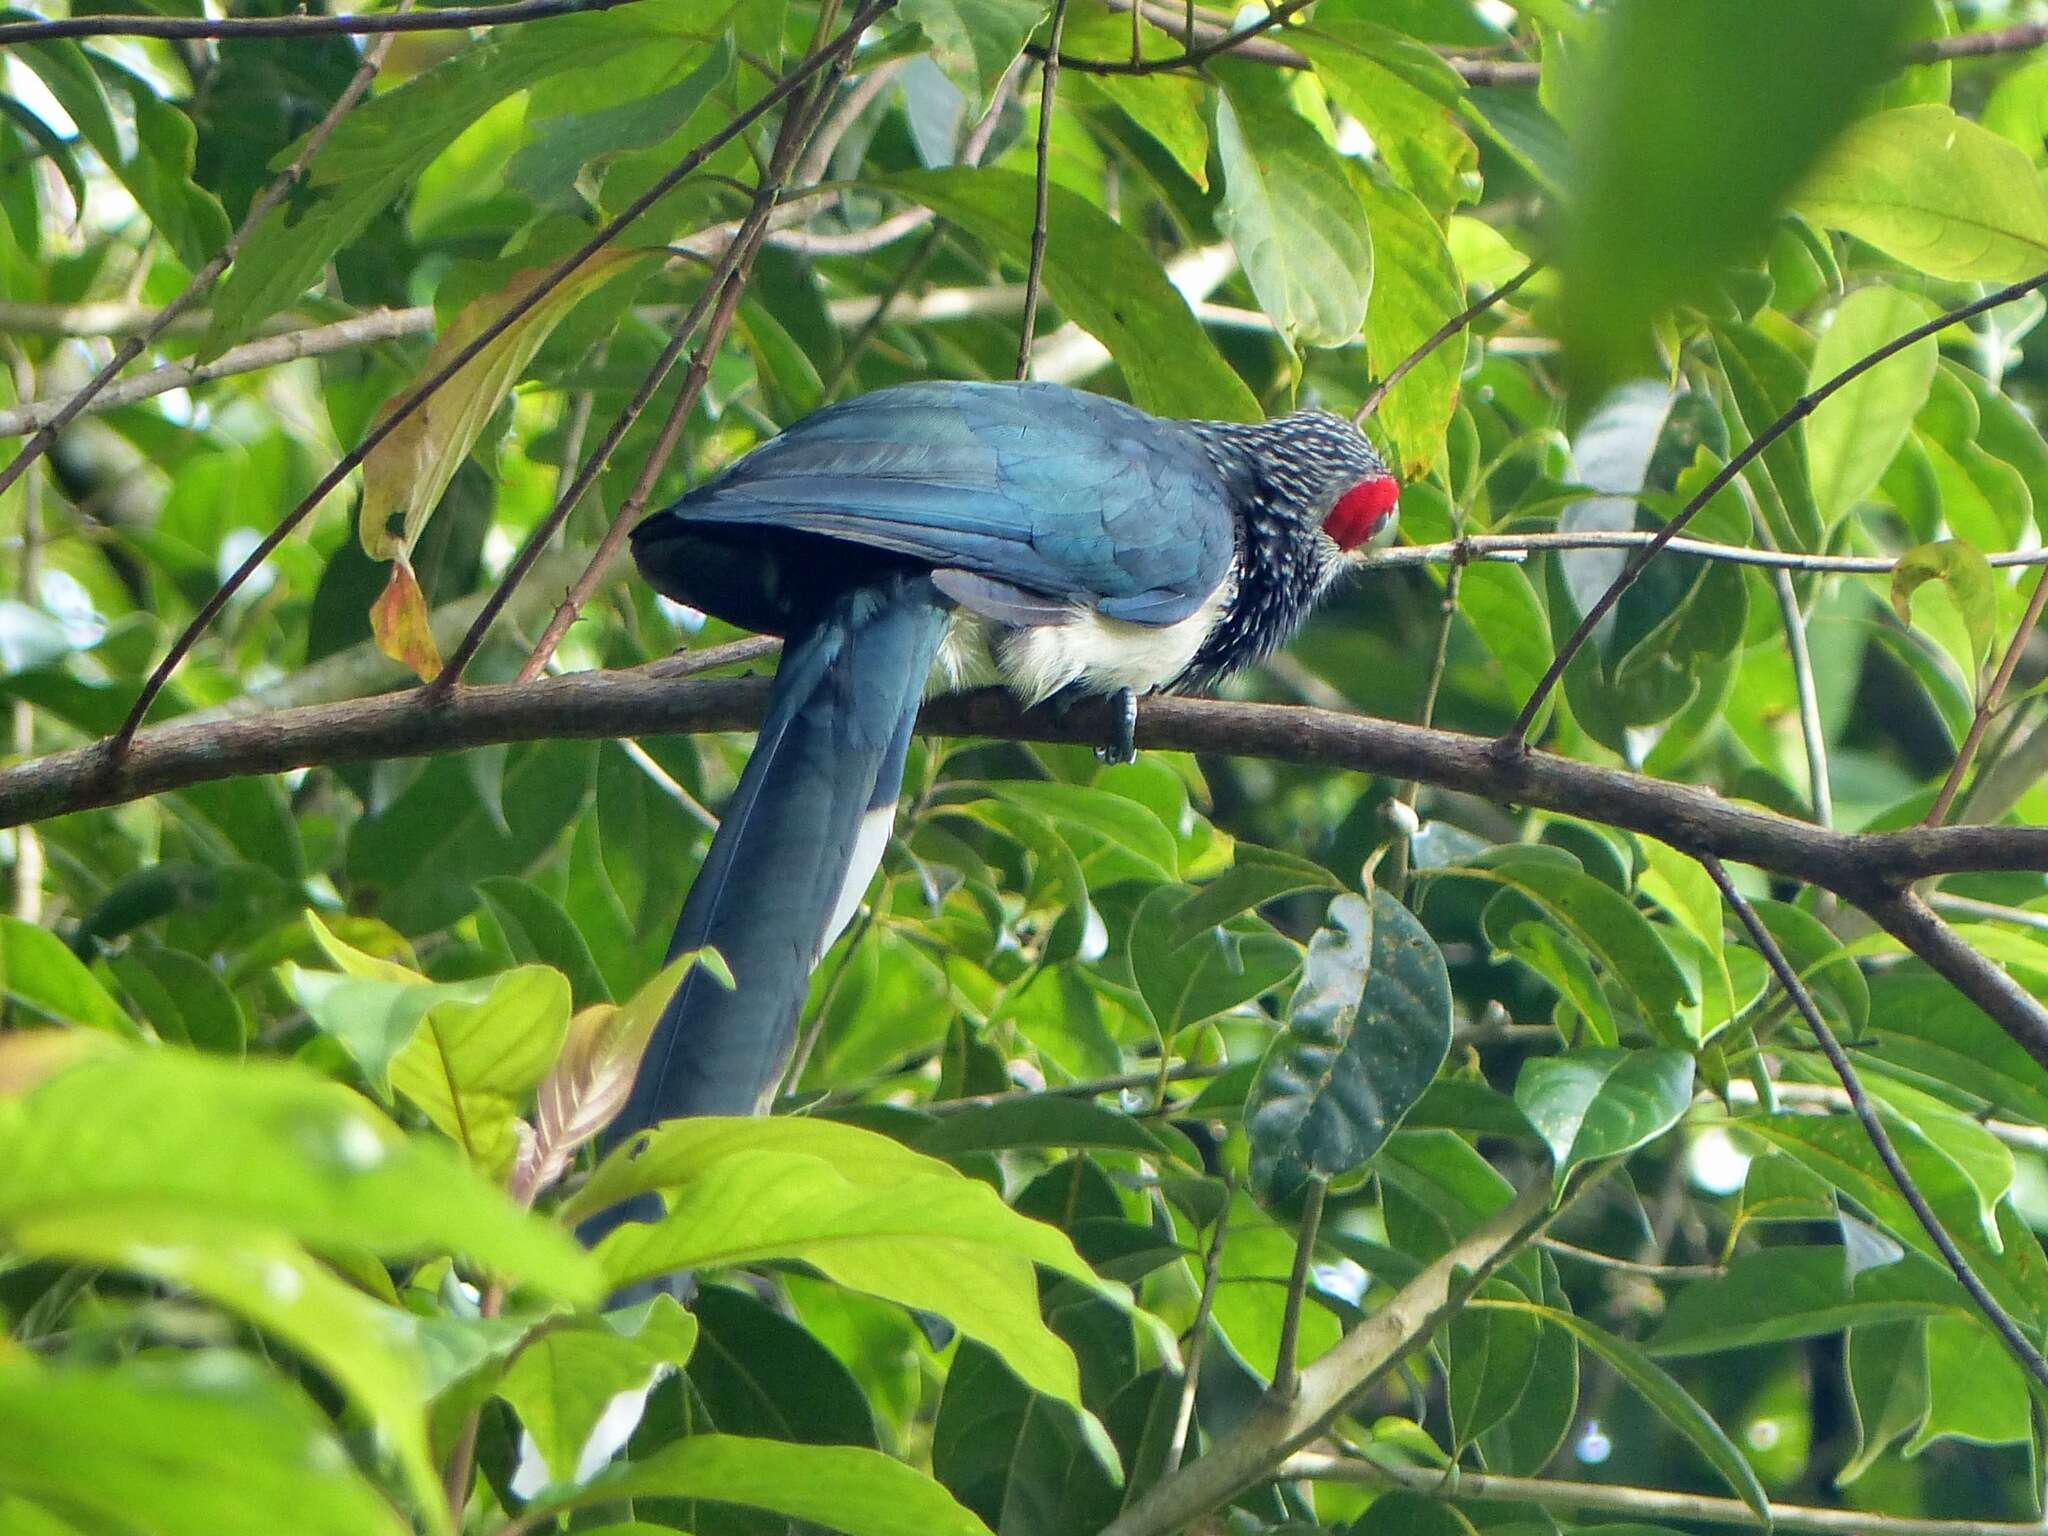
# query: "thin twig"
[1286,1364]
[1443,333]
[1651,1504]
[1517,735]
[1623,1266]
[203,280]
[1049,74]
[28,843]
[1198,1333]
[1873,1126]
[2029,1138]
[1516,547]
[448,19]
[1809,699]
[364,330]
[403,411]
[1987,707]
[729,290]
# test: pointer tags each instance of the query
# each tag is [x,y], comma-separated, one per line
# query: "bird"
[937,535]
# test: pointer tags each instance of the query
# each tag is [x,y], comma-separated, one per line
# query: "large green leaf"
[262,1143]
[1887,1370]
[1935,190]
[1696,120]
[1776,1294]
[841,1487]
[1852,435]
[974,41]
[365,1345]
[1673,1403]
[1601,1102]
[1220,969]
[210,1446]
[1290,210]
[37,971]
[1104,279]
[1415,291]
[1022,1463]
[1366,1032]
[865,1210]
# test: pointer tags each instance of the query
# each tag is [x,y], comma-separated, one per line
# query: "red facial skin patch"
[1362,511]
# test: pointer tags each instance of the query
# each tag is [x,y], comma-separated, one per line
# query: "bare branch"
[364,330]
[1652,1504]
[1264,1438]
[1518,733]
[1873,1125]
[203,280]
[1518,546]
[1049,74]
[647,701]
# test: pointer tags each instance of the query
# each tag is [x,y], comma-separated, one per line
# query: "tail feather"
[799,842]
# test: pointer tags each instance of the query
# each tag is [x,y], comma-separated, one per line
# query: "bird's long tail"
[800,840]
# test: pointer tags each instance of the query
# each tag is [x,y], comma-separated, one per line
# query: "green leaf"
[1104,279]
[209,1446]
[1403,93]
[1021,1463]
[1972,589]
[1673,1403]
[471,1065]
[1122,823]
[866,1211]
[363,1344]
[378,149]
[182,997]
[158,171]
[1887,1370]
[427,849]
[975,41]
[567,152]
[1258,876]
[1698,118]
[1366,1032]
[1599,1103]
[563,1379]
[841,1487]
[1488,1357]
[1935,1033]
[1291,212]
[1166,104]
[1975,1389]
[1219,970]
[760,1373]
[265,1143]
[38,972]
[1039,1121]
[1935,190]
[1415,290]
[537,931]
[1606,923]
[1776,1294]
[1853,435]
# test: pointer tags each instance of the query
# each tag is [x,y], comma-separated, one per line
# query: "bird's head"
[1343,484]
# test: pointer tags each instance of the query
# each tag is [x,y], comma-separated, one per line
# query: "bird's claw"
[1122,746]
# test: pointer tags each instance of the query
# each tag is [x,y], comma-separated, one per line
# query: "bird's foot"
[1122,746]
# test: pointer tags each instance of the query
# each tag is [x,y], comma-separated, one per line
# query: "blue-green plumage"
[1085,545]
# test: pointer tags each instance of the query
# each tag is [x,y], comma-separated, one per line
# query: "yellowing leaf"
[405,474]
[402,626]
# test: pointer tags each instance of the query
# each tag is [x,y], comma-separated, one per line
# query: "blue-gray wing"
[1062,493]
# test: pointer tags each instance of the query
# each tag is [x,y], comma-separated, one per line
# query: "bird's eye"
[1364,512]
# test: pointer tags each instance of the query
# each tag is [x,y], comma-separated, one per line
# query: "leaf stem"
[1286,1365]
[1198,1333]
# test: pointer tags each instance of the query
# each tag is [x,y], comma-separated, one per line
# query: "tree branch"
[1650,1504]
[203,280]
[447,19]
[1518,734]
[1264,1438]
[1873,1126]
[362,330]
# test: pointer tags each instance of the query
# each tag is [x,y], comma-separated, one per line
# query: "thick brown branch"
[647,701]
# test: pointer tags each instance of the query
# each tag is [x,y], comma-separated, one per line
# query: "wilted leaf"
[402,626]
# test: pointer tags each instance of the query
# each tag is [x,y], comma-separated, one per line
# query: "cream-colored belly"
[1099,655]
